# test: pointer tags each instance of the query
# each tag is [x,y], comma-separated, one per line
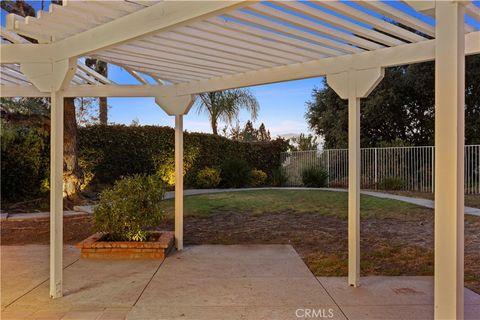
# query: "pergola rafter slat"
[341,23]
[130,57]
[399,16]
[281,49]
[303,23]
[272,38]
[363,17]
[167,43]
[296,33]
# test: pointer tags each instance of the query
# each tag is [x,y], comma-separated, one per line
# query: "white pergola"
[196,46]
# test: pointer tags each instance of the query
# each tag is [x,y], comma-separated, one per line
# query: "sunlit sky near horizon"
[282,105]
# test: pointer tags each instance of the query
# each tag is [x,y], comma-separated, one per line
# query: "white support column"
[449,159]
[54,78]
[353,185]
[56,195]
[353,85]
[177,106]
[179,182]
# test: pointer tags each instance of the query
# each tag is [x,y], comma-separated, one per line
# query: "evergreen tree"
[401,110]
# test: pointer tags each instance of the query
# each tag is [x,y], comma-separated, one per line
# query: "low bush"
[278,177]
[314,177]
[128,208]
[235,173]
[391,183]
[25,163]
[258,178]
[208,178]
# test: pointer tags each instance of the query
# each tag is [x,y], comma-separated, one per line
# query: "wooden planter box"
[159,249]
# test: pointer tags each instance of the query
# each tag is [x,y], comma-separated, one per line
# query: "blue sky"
[282,105]
[282,108]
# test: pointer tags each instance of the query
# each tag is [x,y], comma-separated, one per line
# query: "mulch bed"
[388,246]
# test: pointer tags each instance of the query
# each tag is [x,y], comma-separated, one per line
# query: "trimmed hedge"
[110,152]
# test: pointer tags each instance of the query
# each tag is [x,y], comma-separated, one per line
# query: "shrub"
[279,178]
[392,183]
[314,177]
[208,178]
[24,164]
[258,178]
[128,208]
[235,173]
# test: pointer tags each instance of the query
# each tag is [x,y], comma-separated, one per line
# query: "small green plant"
[235,173]
[258,178]
[392,183]
[314,177]
[128,208]
[279,178]
[208,178]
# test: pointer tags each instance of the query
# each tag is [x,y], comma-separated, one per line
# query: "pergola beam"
[162,16]
[387,57]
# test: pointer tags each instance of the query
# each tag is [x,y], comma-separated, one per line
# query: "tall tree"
[248,133]
[102,68]
[303,143]
[263,133]
[19,7]
[226,105]
[72,172]
[401,110]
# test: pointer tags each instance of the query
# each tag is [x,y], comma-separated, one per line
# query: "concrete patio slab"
[391,298]
[95,284]
[25,267]
[233,282]
[213,282]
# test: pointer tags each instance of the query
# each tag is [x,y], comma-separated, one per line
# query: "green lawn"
[280,201]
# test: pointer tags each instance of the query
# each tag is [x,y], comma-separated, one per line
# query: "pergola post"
[353,85]
[449,159]
[177,106]
[179,181]
[354,175]
[56,194]
[54,78]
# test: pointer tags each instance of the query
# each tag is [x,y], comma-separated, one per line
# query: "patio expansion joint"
[321,284]
[331,297]
[148,283]
[36,286]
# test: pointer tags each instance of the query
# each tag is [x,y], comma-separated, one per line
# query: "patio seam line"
[328,293]
[316,278]
[38,285]
[148,283]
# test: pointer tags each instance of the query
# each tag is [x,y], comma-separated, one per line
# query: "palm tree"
[226,105]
